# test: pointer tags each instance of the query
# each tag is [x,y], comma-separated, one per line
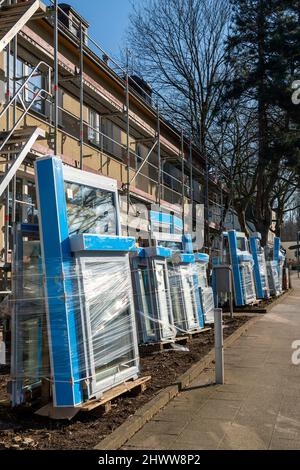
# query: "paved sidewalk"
[257,408]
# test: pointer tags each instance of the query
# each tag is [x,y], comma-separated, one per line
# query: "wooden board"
[135,386]
[151,348]
[64,413]
[196,333]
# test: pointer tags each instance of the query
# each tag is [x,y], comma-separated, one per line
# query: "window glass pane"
[173,245]
[241,244]
[109,315]
[36,83]
[31,208]
[29,311]
[139,158]
[90,210]
[163,300]
[145,300]
[94,127]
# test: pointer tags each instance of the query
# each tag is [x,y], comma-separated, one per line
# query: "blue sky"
[108,21]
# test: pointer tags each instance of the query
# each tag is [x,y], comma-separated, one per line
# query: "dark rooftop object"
[71,18]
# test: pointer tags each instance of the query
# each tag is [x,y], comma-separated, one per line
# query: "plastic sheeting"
[183,295]
[152,300]
[263,271]
[247,278]
[97,295]
[206,293]
[208,304]
[166,299]
[273,278]
[28,325]
[280,275]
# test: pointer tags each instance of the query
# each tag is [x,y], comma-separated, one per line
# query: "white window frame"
[96,388]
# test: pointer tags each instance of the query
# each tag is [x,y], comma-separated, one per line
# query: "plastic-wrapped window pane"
[188,289]
[184,304]
[106,297]
[152,300]
[90,210]
[206,294]
[273,278]
[29,320]
[144,303]
[202,275]
[208,306]
[163,299]
[248,281]
[280,275]
[263,271]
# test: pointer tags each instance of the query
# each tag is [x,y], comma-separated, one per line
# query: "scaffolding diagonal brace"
[17,162]
[26,12]
[145,161]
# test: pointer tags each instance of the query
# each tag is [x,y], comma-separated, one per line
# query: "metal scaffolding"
[187,173]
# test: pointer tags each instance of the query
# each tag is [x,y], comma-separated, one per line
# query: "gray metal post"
[230,295]
[298,254]
[219,351]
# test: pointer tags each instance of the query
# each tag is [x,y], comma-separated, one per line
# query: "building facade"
[61,94]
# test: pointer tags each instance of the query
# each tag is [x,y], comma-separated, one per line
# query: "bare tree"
[177,45]
[285,198]
[232,146]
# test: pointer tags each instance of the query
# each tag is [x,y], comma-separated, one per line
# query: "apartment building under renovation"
[62,94]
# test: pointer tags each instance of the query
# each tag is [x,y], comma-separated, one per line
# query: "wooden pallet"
[150,348]
[105,403]
[197,333]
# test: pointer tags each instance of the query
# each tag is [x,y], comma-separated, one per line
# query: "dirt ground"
[23,430]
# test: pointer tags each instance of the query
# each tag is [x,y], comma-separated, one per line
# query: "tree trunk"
[260,207]
[263,225]
[241,213]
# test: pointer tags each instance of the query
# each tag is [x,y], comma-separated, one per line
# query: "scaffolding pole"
[55,70]
[14,119]
[126,117]
[158,159]
[81,97]
[6,205]
[127,147]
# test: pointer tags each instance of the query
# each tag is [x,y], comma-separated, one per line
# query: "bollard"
[219,351]
[2,353]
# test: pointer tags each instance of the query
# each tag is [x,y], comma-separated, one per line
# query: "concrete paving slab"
[158,441]
[258,407]
[219,410]
[239,437]
[173,428]
[284,444]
